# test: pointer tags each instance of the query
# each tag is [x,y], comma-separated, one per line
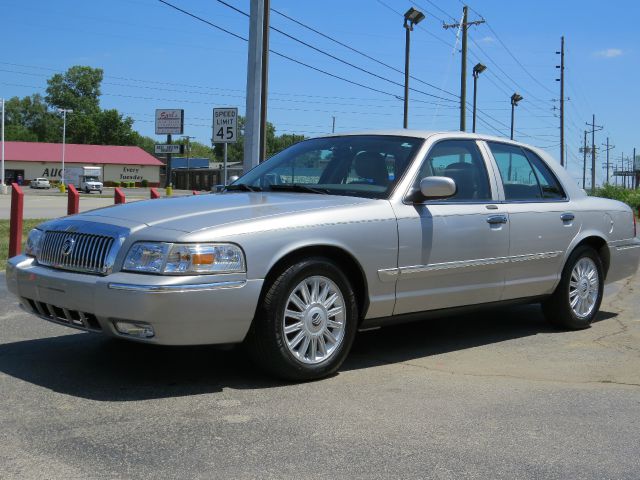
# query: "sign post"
[169,122]
[225,130]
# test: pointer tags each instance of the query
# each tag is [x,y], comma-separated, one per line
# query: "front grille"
[75,318]
[80,252]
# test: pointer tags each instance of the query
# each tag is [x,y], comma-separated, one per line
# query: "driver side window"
[461,161]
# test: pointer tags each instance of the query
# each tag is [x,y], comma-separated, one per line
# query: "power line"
[196,17]
[330,55]
[358,51]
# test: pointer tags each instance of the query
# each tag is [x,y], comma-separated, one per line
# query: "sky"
[156,57]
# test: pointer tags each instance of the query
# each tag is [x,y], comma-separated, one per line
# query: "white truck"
[90,179]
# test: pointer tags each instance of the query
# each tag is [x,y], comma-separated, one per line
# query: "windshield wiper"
[242,187]
[296,187]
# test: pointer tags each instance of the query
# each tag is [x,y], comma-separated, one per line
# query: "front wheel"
[306,322]
[577,298]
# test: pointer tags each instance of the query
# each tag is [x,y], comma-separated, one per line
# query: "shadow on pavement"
[97,368]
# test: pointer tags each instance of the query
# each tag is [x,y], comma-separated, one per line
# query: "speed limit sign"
[225,125]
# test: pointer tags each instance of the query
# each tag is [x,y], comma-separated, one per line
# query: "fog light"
[135,329]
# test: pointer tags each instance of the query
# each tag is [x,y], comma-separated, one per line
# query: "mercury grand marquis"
[329,236]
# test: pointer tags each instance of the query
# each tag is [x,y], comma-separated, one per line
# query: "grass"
[27,225]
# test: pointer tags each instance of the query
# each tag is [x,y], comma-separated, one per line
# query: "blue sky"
[155,57]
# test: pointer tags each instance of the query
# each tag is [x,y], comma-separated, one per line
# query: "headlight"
[32,247]
[185,259]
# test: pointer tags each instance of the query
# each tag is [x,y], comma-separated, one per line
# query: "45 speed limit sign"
[225,125]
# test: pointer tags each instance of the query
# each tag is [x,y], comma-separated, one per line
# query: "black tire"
[557,309]
[267,342]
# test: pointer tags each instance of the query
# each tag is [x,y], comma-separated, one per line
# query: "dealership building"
[29,160]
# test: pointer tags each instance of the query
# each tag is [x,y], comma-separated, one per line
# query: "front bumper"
[185,310]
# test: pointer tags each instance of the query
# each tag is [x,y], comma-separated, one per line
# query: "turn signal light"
[134,329]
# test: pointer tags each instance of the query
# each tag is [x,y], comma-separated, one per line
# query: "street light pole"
[188,150]
[411,17]
[515,98]
[477,70]
[64,112]
[3,186]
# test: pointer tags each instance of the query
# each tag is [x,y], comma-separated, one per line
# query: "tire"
[86,190]
[578,283]
[331,323]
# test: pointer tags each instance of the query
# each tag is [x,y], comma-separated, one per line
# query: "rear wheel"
[306,323]
[576,300]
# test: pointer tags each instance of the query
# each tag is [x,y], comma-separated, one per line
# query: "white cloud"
[608,53]
[487,39]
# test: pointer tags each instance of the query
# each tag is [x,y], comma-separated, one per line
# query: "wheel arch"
[599,244]
[345,260]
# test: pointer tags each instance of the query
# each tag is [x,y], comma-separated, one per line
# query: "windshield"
[90,179]
[358,165]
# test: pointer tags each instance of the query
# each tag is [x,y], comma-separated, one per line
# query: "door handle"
[496,219]
[567,217]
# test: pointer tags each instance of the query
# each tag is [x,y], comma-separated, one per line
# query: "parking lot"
[496,394]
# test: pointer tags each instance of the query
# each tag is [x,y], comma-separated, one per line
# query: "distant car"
[40,183]
[329,236]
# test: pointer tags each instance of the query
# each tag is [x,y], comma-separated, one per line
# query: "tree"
[112,128]
[29,119]
[78,89]
[275,143]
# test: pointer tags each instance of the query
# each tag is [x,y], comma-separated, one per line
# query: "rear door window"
[519,179]
[551,188]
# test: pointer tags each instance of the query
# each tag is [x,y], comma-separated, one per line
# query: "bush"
[132,184]
[630,197]
[116,184]
[145,182]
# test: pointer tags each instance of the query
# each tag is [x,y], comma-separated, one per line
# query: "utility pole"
[265,80]
[515,98]
[608,164]
[333,126]
[594,128]
[255,66]
[464,26]
[633,168]
[187,138]
[584,150]
[561,80]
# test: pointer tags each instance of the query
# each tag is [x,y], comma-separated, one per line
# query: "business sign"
[169,122]
[225,125]
[169,149]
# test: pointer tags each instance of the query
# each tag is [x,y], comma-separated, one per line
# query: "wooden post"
[15,223]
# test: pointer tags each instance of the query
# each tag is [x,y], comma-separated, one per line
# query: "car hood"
[191,213]
[93,183]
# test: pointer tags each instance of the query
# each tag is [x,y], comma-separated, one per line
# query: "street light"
[515,98]
[477,70]
[411,17]
[64,112]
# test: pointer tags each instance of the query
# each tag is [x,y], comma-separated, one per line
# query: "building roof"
[101,154]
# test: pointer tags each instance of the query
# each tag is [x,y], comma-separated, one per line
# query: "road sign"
[225,125]
[169,122]
[169,149]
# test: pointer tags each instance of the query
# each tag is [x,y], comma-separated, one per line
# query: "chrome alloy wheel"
[314,320]
[584,286]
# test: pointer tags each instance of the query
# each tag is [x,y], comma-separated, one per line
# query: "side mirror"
[432,188]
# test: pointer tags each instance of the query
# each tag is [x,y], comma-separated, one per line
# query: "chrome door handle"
[567,217]
[496,219]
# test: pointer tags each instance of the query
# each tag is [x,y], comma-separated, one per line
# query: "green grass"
[630,197]
[27,225]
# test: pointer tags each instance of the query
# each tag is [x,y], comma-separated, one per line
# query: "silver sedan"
[329,236]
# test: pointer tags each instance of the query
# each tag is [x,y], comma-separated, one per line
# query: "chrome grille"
[80,252]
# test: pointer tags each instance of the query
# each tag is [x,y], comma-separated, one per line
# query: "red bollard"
[15,224]
[195,193]
[154,193]
[118,196]
[73,200]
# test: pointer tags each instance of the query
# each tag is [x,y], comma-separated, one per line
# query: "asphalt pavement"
[492,395]
[43,203]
